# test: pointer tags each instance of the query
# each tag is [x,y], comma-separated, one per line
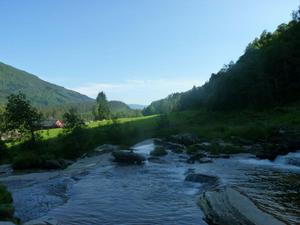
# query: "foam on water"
[290,161]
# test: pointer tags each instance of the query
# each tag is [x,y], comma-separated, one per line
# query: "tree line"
[266,75]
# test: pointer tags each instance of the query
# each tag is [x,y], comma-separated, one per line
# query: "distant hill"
[137,106]
[39,92]
[120,109]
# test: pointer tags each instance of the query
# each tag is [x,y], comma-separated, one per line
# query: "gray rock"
[202,178]
[228,206]
[56,164]
[102,149]
[128,157]
[175,147]
[185,139]
[6,169]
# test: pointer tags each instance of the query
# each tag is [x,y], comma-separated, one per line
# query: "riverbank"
[266,134]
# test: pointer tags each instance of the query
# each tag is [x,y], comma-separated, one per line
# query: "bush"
[75,144]
[163,126]
[26,160]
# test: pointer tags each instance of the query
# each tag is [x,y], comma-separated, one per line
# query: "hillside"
[120,109]
[39,92]
[267,75]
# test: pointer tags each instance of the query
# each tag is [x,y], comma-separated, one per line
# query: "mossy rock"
[159,151]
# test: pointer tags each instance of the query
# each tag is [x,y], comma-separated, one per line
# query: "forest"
[266,75]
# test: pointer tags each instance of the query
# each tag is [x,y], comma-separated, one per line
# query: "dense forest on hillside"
[52,100]
[117,109]
[39,92]
[266,75]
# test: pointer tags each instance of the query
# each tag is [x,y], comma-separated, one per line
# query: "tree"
[72,119]
[102,109]
[2,120]
[20,115]
[296,15]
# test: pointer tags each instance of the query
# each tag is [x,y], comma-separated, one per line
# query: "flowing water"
[97,191]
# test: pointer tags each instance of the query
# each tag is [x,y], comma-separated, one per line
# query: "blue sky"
[136,51]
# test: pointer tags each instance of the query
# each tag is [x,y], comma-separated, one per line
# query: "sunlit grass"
[53,133]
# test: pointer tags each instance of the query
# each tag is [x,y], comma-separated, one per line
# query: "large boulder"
[127,157]
[185,139]
[228,206]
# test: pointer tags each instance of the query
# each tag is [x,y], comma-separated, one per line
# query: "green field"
[208,125]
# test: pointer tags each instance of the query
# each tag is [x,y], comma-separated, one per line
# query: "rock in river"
[201,178]
[128,157]
[228,206]
[185,139]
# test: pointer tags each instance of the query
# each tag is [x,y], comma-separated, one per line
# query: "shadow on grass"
[126,132]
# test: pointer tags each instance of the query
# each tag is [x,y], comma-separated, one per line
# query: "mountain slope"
[120,109]
[39,92]
[267,75]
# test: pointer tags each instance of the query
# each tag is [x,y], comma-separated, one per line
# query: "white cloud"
[138,91]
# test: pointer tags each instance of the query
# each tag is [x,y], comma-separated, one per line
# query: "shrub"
[26,160]
[75,144]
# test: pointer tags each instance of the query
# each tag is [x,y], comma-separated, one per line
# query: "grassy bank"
[208,125]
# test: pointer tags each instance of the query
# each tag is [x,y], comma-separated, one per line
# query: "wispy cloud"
[138,91]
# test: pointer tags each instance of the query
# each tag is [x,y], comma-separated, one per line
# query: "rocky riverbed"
[167,188]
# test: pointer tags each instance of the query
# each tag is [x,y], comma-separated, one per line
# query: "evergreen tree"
[102,111]
[72,119]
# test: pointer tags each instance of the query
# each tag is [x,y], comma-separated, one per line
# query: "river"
[97,191]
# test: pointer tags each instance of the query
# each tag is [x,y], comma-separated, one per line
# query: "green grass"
[142,122]
[56,143]
[246,124]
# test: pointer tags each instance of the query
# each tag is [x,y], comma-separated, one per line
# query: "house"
[52,123]
[59,123]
